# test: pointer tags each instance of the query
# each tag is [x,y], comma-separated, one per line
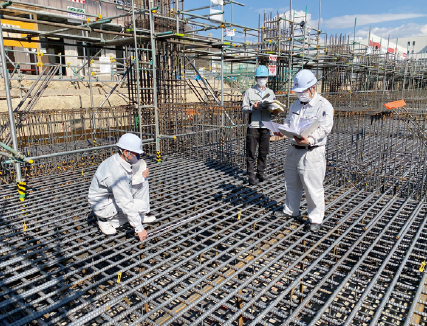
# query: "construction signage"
[272,68]
[273,58]
[230,32]
[78,13]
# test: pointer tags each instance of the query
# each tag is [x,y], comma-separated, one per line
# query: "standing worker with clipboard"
[305,164]
[256,102]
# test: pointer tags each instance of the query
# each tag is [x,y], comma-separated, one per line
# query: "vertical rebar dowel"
[222,61]
[291,50]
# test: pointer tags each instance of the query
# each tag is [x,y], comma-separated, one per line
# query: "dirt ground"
[69,95]
[65,95]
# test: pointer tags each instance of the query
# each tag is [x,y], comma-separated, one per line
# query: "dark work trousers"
[254,137]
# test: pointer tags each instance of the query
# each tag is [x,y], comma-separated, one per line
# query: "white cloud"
[348,20]
[361,33]
[406,30]
[298,17]
[314,23]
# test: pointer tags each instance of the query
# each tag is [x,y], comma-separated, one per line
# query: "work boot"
[281,214]
[148,218]
[106,227]
[252,181]
[284,215]
[312,227]
[262,177]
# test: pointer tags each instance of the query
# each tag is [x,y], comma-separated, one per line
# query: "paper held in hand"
[137,170]
[273,105]
[305,128]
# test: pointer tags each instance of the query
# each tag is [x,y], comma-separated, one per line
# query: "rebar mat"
[232,263]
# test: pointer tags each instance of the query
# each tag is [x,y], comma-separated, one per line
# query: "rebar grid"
[375,147]
[234,264]
[217,255]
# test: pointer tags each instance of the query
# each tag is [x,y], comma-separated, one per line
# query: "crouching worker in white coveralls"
[119,191]
[305,164]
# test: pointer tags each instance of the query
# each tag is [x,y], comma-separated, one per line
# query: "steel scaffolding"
[216,255]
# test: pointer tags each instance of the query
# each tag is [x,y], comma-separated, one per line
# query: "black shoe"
[253,181]
[262,177]
[298,218]
[313,227]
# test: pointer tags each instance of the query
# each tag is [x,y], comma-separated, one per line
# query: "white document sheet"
[305,128]
[137,170]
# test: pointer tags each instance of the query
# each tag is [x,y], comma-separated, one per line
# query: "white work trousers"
[140,194]
[304,171]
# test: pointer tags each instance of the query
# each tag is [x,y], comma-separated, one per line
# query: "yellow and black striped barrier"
[22,190]
[158,156]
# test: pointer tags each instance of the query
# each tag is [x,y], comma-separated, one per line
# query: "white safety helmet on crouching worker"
[130,142]
[303,80]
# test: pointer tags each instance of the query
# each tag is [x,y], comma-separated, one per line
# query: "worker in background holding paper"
[119,191]
[256,102]
[305,164]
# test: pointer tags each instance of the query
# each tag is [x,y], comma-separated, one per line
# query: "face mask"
[133,160]
[304,97]
[261,82]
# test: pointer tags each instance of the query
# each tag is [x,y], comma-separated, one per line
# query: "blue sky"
[397,18]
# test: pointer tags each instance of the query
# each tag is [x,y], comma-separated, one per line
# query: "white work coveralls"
[115,196]
[305,168]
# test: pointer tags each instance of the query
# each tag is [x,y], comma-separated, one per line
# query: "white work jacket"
[318,108]
[111,191]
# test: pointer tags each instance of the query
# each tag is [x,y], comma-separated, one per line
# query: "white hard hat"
[130,142]
[303,80]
